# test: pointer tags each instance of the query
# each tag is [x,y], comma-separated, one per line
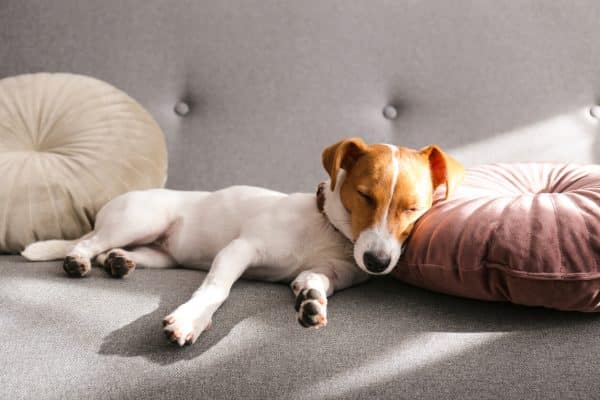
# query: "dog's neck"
[330,204]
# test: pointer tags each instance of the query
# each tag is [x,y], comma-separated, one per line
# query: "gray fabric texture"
[268,84]
[101,338]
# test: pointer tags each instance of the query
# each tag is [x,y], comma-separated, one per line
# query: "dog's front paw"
[76,266]
[312,308]
[181,328]
[117,264]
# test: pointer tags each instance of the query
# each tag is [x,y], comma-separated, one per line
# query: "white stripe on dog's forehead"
[395,171]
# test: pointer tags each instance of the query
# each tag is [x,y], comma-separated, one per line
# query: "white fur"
[234,232]
[48,249]
[333,207]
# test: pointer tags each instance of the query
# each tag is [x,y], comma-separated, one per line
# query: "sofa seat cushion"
[524,233]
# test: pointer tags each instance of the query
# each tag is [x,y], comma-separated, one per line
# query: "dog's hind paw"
[311,309]
[117,264]
[76,266]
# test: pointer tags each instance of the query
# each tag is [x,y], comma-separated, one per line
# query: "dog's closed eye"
[367,198]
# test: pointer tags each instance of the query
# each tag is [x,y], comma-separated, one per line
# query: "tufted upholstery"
[270,83]
[267,84]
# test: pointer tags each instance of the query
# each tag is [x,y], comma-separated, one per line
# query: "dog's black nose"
[375,262]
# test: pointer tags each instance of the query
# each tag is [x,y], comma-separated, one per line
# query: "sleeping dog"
[361,216]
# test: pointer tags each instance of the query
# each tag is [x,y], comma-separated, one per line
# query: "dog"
[355,227]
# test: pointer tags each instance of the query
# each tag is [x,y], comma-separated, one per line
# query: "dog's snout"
[376,262]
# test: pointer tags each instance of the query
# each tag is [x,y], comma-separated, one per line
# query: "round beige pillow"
[69,144]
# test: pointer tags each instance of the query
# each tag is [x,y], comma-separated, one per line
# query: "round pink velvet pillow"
[524,233]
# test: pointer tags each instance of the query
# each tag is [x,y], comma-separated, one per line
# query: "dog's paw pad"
[312,309]
[118,265]
[76,266]
[181,331]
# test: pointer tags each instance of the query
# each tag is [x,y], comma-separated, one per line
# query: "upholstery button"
[390,112]
[595,112]
[182,108]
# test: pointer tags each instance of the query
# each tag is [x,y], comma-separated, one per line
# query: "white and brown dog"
[363,215]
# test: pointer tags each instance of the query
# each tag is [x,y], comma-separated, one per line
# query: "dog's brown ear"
[342,155]
[444,169]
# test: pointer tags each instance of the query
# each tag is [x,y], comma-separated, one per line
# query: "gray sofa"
[266,85]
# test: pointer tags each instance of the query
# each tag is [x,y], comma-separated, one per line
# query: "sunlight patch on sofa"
[568,137]
[412,354]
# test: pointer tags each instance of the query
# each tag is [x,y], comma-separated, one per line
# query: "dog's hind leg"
[184,325]
[125,221]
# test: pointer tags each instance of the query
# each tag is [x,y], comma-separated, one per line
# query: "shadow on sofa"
[384,338]
[360,319]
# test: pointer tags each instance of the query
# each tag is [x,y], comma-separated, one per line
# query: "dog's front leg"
[313,286]
[189,320]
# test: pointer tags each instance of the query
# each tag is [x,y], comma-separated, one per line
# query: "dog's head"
[376,193]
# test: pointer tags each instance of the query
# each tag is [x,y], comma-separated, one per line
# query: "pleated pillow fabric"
[524,233]
[69,144]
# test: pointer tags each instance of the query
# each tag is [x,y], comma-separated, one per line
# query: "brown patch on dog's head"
[444,169]
[343,154]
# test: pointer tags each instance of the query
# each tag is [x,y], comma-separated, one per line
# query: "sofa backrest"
[269,83]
